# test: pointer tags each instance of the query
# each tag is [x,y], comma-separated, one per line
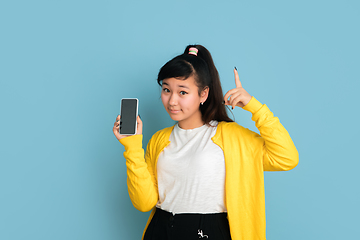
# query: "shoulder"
[163,132]
[161,136]
[233,128]
[230,127]
[158,141]
[231,134]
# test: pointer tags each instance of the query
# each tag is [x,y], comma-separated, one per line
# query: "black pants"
[188,226]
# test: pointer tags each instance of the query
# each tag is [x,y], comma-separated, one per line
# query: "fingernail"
[235,68]
[232,108]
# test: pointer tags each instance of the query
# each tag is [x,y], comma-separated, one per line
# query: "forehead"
[178,82]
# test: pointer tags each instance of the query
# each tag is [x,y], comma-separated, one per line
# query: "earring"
[202,103]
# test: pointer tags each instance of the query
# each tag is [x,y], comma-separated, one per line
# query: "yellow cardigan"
[247,154]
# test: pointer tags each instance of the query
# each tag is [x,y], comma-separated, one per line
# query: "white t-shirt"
[191,172]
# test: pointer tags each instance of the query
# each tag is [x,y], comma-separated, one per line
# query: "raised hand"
[237,96]
[117,127]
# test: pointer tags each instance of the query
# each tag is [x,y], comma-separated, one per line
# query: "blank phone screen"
[128,116]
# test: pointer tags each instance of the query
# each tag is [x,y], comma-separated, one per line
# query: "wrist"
[253,105]
[132,142]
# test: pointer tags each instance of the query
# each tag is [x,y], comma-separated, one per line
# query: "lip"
[174,111]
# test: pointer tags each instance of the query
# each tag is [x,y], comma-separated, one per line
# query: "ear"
[204,94]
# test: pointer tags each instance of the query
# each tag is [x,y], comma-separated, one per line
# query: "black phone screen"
[128,116]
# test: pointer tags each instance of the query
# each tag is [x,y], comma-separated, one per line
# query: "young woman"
[203,177]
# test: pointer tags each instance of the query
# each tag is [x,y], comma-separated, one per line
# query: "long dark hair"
[203,69]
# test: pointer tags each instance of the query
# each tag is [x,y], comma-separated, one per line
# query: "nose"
[173,100]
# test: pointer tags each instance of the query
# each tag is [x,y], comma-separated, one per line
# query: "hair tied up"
[205,74]
[193,51]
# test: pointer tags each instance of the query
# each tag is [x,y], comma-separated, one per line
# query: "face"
[181,100]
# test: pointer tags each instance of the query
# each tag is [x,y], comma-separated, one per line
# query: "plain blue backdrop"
[65,65]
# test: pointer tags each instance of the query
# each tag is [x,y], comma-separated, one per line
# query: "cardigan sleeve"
[278,150]
[141,181]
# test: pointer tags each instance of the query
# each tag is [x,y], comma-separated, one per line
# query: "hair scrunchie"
[193,51]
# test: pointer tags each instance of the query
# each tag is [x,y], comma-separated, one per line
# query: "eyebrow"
[182,86]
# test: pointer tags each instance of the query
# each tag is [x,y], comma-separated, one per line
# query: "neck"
[192,126]
[191,123]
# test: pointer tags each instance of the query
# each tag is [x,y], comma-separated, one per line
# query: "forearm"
[141,185]
[278,148]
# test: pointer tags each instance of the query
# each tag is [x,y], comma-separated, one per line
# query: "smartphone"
[129,112]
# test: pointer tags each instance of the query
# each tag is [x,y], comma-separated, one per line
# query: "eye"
[183,93]
[166,90]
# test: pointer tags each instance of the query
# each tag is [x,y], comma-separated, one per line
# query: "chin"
[175,118]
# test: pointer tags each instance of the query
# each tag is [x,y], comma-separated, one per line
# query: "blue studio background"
[65,65]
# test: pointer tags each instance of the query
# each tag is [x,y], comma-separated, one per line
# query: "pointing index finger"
[237,79]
